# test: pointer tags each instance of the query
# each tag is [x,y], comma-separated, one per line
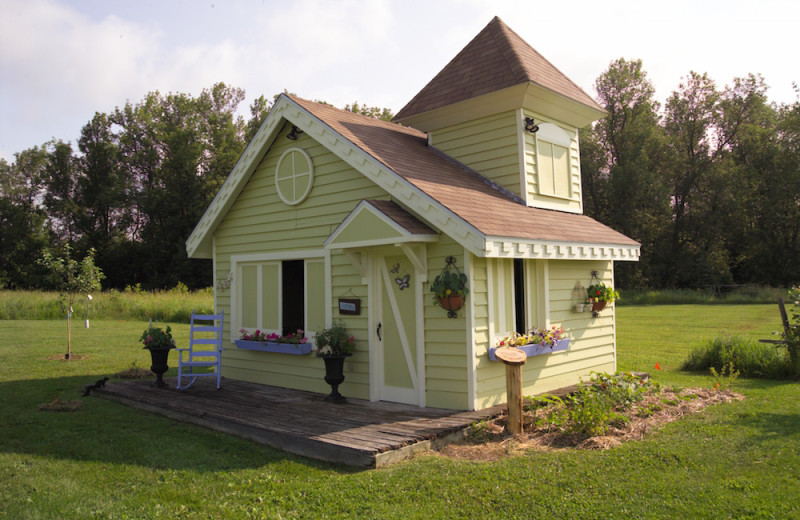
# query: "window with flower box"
[279,295]
[517,295]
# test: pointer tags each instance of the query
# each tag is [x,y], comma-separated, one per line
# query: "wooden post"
[513,359]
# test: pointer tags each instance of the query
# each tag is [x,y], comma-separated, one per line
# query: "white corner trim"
[472,370]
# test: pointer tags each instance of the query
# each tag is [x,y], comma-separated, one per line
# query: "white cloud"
[62,61]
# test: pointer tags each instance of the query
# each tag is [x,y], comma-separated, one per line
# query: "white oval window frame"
[304,196]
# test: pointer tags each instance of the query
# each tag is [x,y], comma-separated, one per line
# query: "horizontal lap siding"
[487,145]
[445,338]
[259,222]
[592,346]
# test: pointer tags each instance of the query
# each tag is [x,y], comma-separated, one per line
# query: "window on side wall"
[553,159]
[281,296]
[516,294]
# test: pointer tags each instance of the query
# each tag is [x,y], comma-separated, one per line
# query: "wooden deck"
[355,433]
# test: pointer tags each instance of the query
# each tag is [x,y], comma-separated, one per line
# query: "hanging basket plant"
[450,288]
[600,295]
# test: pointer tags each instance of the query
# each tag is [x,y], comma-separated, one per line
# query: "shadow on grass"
[108,432]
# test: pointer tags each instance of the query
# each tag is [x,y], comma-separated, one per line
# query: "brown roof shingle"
[470,196]
[402,217]
[496,58]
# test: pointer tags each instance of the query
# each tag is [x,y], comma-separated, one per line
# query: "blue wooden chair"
[205,358]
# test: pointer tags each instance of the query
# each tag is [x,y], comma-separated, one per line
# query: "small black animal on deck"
[100,383]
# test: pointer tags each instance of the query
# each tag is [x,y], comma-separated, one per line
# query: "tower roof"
[495,59]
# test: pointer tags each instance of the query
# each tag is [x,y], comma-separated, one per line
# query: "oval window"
[294,176]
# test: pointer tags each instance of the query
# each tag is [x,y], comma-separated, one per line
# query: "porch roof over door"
[379,222]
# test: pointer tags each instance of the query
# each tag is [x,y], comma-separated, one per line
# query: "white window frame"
[297,200]
[258,259]
[550,134]
[537,300]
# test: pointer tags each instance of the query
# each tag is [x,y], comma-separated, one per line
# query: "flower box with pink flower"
[534,343]
[295,344]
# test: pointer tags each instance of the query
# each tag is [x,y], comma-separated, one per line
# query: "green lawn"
[739,460]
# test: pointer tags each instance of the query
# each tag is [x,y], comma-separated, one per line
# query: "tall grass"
[749,357]
[748,294]
[166,306]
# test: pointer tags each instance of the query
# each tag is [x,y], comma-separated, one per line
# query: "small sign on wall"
[350,306]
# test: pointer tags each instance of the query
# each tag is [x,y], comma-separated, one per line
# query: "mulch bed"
[494,442]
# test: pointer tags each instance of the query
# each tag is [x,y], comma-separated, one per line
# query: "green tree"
[702,123]
[384,114]
[60,182]
[177,150]
[621,163]
[71,278]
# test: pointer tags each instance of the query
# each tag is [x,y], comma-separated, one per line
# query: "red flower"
[658,366]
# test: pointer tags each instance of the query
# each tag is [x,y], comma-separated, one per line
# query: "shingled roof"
[467,194]
[495,59]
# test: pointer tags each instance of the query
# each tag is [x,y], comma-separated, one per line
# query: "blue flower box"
[300,349]
[535,349]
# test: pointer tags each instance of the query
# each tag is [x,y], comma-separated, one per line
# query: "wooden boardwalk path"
[355,433]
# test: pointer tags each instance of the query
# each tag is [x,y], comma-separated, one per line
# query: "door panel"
[398,330]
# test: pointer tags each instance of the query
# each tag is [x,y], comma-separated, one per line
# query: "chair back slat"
[207,317]
[205,328]
[204,341]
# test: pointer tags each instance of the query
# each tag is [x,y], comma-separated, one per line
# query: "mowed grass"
[739,460]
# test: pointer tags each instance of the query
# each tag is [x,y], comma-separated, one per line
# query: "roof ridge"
[495,59]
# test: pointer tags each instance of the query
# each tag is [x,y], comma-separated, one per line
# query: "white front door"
[397,311]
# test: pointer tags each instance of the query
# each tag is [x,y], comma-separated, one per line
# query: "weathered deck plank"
[356,433]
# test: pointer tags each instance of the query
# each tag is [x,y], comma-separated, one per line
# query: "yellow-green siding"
[488,145]
[445,338]
[593,339]
[259,222]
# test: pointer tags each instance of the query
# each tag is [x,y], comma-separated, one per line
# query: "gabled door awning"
[377,223]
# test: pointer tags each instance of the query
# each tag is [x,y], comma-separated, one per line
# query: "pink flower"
[148,339]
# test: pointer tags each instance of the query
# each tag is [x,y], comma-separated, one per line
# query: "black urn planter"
[334,376]
[159,359]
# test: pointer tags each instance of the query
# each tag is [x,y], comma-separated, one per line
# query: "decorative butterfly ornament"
[403,282]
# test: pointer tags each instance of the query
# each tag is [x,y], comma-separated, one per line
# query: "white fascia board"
[508,247]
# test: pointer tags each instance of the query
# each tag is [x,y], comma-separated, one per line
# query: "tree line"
[133,191]
[709,184]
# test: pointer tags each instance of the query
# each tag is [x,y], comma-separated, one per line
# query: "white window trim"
[537,288]
[315,255]
[552,134]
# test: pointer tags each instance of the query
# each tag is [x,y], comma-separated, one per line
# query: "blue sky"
[61,61]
